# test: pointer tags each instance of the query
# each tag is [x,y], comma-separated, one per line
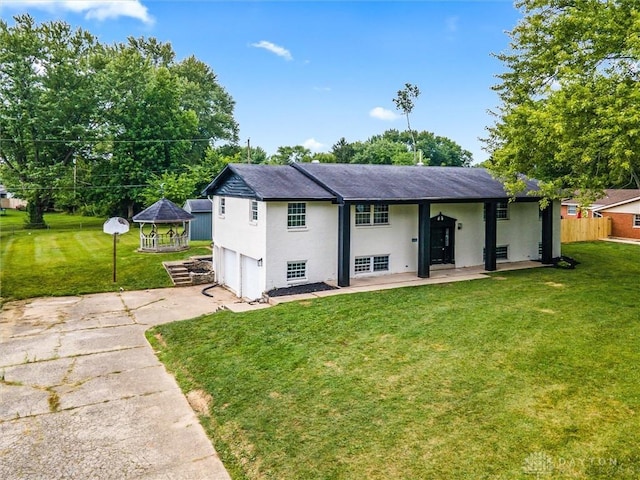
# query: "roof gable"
[266,182]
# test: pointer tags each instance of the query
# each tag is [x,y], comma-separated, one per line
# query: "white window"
[636,221]
[254,211]
[572,209]
[297,215]
[222,206]
[374,263]
[296,270]
[372,214]
[502,211]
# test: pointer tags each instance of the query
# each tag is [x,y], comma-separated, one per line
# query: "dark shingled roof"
[272,182]
[163,211]
[198,205]
[360,183]
[407,183]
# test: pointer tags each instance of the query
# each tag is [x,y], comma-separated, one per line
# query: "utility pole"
[248,150]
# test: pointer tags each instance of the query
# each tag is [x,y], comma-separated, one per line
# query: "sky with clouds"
[310,72]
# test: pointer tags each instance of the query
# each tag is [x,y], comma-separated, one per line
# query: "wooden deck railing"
[162,242]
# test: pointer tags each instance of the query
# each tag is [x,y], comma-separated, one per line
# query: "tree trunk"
[35,209]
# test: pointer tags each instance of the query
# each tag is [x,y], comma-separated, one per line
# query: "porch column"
[547,234]
[344,243]
[490,235]
[424,239]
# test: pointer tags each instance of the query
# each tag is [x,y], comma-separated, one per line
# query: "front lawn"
[74,257]
[529,374]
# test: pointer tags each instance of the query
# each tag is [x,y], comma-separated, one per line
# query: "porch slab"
[409,279]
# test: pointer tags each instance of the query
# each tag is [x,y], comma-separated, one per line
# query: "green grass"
[74,257]
[479,379]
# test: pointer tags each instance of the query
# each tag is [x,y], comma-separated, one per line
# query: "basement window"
[374,263]
[296,270]
[502,252]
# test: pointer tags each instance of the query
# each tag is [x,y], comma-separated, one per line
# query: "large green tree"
[48,107]
[84,123]
[162,117]
[569,111]
[394,147]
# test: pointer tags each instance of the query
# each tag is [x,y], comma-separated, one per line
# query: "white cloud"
[92,9]
[452,24]
[322,89]
[383,114]
[312,144]
[273,48]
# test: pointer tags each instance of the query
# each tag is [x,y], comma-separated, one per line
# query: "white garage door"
[230,272]
[250,278]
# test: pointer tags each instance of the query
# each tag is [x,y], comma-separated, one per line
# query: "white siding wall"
[269,239]
[234,231]
[317,244]
[522,232]
[393,239]
[631,207]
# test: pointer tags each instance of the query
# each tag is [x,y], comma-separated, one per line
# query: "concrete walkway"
[82,395]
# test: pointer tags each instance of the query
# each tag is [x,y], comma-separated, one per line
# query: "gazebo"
[164,227]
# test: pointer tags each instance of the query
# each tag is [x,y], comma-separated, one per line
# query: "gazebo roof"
[163,211]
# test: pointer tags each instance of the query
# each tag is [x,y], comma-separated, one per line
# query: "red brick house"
[622,206]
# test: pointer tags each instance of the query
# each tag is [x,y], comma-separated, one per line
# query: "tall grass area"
[528,374]
[73,256]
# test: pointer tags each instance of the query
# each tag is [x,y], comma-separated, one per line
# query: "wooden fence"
[584,229]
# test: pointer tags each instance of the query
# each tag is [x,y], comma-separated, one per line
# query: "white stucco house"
[280,226]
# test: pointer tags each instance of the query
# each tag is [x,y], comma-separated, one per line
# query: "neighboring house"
[279,226]
[621,205]
[200,226]
[7,200]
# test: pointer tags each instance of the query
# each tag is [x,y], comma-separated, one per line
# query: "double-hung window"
[296,215]
[254,211]
[636,221]
[572,209]
[502,211]
[372,214]
[222,206]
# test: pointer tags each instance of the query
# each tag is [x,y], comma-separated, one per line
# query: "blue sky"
[307,73]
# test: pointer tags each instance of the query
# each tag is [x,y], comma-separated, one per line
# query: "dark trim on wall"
[547,234]
[424,239]
[490,235]
[344,244]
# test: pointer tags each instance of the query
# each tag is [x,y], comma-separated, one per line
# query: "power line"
[166,140]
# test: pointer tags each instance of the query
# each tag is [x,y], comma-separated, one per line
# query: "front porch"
[410,279]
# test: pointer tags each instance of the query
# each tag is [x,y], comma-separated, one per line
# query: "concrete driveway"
[82,395]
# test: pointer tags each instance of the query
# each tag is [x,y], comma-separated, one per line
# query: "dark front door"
[442,239]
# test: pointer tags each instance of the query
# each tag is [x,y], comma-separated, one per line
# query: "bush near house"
[528,374]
